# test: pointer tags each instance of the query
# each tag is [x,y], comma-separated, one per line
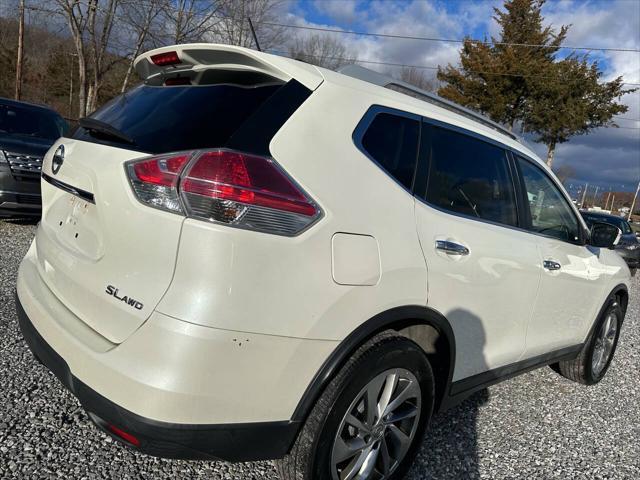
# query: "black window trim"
[422,169]
[424,162]
[363,125]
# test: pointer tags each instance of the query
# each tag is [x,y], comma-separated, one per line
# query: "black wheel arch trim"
[621,287]
[395,318]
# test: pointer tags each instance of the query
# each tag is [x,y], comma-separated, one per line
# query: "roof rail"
[362,73]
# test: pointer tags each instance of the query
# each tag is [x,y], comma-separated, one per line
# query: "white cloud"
[342,11]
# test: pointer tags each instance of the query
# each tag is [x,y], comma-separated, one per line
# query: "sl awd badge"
[132,302]
[58,160]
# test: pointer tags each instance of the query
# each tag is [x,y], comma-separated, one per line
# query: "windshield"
[169,119]
[31,122]
[618,222]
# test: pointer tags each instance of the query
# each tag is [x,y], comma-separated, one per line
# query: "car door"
[571,287]
[483,270]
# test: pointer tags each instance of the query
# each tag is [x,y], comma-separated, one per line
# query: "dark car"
[27,131]
[629,246]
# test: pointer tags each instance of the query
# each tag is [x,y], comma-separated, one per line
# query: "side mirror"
[605,235]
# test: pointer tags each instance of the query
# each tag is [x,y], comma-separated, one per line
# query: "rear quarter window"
[391,140]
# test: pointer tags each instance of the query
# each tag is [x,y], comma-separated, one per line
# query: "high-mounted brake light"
[224,186]
[166,58]
[177,81]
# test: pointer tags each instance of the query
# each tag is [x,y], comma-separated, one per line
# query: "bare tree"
[140,17]
[76,16]
[322,50]
[233,27]
[91,24]
[99,28]
[20,54]
[418,78]
[188,20]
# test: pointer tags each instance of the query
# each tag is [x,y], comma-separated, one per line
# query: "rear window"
[167,119]
[31,122]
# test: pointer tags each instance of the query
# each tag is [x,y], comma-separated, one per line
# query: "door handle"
[551,265]
[451,248]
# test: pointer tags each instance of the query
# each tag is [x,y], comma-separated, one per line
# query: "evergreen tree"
[570,101]
[517,78]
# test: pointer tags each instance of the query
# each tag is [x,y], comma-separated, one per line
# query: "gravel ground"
[536,426]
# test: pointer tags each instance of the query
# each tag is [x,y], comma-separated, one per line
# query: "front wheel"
[590,366]
[369,421]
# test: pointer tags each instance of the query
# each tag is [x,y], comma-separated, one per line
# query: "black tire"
[580,369]
[310,456]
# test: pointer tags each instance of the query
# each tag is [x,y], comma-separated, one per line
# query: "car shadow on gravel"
[449,448]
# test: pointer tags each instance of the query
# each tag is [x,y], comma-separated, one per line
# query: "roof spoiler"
[196,57]
[362,73]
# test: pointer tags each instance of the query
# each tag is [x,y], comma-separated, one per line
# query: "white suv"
[248,257]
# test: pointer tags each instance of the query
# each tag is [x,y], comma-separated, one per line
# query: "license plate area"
[75,224]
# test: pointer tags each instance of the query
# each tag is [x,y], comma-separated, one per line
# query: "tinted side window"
[471,177]
[392,141]
[550,212]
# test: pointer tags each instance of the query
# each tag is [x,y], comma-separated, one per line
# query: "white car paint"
[206,287]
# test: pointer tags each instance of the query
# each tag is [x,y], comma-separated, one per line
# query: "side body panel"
[241,280]
[487,295]
[571,297]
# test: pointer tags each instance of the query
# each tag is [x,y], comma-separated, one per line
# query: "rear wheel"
[369,421]
[596,355]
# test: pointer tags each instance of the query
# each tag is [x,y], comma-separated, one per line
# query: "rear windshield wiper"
[104,129]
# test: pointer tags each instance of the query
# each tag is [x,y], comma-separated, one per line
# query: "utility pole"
[20,59]
[612,201]
[608,197]
[584,195]
[633,203]
[595,197]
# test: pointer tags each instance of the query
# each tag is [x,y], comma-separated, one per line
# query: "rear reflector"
[127,437]
[224,186]
[166,58]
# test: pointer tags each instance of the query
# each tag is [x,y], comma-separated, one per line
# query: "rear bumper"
[183,390]
[239,442]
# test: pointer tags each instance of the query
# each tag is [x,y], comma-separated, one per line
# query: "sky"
[608,157]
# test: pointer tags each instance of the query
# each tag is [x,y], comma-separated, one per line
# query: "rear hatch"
[108,257]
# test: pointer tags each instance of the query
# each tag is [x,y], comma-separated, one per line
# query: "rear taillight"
[155,180]
[224,186]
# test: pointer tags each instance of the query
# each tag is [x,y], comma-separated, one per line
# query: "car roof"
[403,101]
[20,103]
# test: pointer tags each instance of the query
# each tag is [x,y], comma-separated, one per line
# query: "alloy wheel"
[378,428]
[605,341]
